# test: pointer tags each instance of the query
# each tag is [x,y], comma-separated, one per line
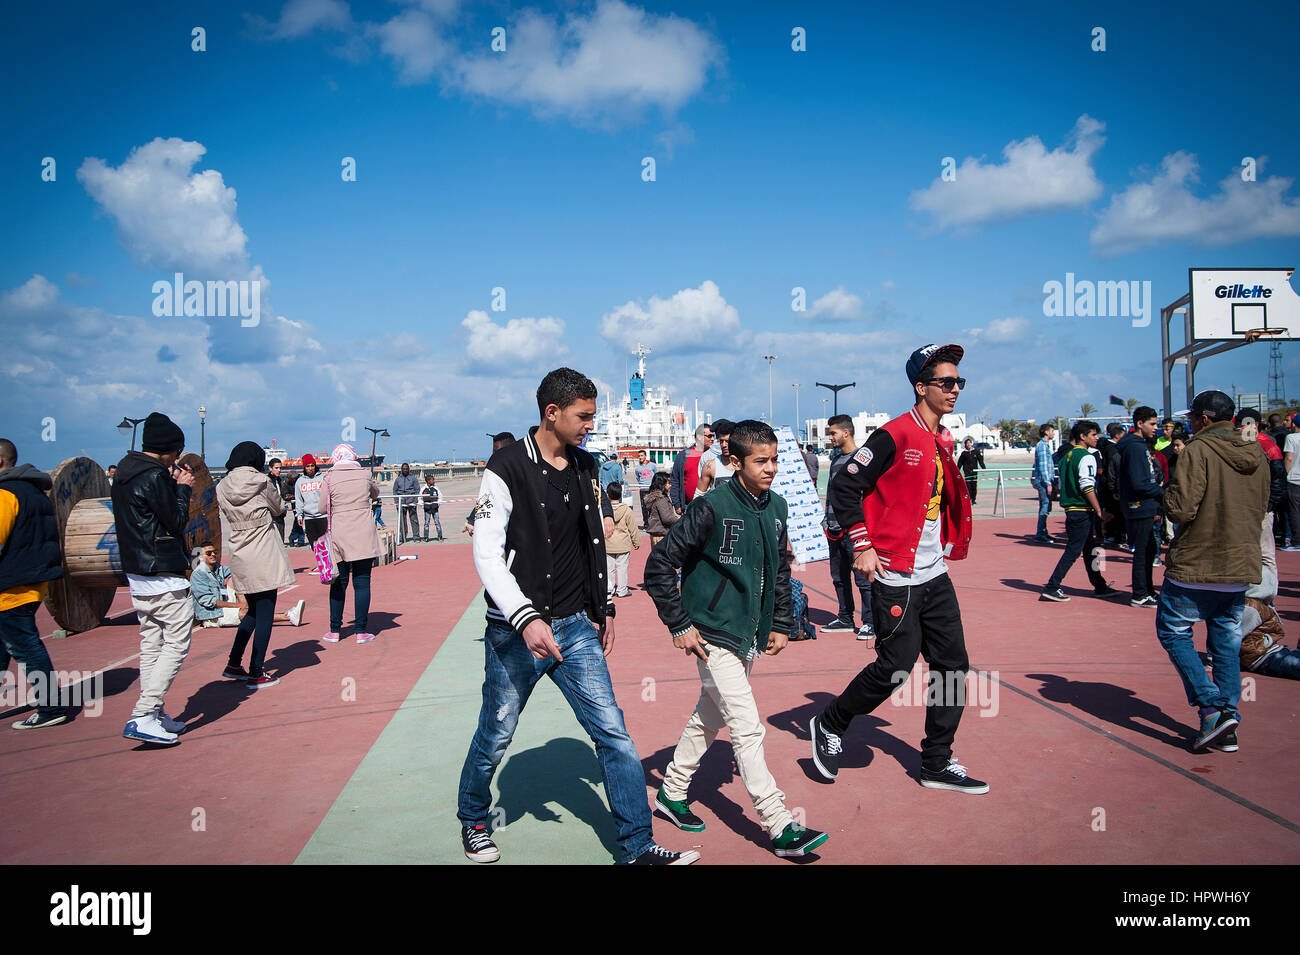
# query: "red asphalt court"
[1085,745]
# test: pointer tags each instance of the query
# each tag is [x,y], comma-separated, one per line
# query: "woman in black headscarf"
[258,561]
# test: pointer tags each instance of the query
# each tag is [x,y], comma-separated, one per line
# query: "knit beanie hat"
[161,435]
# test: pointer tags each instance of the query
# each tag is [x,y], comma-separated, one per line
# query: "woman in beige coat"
[256,554]
[354,541]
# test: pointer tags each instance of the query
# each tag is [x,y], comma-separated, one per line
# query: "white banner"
[794,483]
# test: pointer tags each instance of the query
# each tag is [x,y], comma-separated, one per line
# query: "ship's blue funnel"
[636,388]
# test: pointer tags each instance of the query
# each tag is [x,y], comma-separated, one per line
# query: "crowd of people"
[552,534]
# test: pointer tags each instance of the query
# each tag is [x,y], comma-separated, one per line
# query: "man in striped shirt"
[1044,480]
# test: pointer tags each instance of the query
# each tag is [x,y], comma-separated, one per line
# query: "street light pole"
[129,424]
[769,359]
[376,433]
[203,418]
[796,386]
[835,390]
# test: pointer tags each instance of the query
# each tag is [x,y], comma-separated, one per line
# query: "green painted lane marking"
[399,807]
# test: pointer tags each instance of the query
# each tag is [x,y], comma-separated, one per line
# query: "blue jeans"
[1283,663]
[20,640]
[511,672]
[1180,607]
[1044,507]
[432,516]
[360,571]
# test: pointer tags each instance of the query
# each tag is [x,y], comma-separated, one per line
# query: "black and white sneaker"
[658,855]
[479,847]
[1227,743]
[826,749]
[1108,592]
[866,632]
[1147,601]
[42,718]
[1214,727]
[838,626]
[953,778]
[1054,593]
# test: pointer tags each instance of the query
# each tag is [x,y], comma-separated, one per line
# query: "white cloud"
[300,17]
[412,40]
[1029,180]
[618,59]
[1165,210]
[168,216]
[838,304]
[690,319]
[522,343]
[36,293]
[1000,330]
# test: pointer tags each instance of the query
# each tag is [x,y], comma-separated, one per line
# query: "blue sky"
[522,170]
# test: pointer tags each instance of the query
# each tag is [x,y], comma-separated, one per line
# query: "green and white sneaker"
[795,840]
[678,813]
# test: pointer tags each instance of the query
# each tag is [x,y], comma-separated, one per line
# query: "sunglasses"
[947,384]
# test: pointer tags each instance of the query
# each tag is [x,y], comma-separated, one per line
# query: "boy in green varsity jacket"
[734,604]
[1084,517]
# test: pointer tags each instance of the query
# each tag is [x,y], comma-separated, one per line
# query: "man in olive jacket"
[1218,496]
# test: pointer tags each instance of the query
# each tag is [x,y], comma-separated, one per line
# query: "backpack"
[803,628]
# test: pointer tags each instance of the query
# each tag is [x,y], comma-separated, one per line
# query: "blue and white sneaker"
[148,729]
[169,724]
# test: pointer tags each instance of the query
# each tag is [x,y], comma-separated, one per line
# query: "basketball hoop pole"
[1189,355]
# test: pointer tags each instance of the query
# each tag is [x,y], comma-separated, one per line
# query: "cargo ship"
[645,419]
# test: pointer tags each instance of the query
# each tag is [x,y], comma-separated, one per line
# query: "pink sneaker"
[331,637]
[364,638]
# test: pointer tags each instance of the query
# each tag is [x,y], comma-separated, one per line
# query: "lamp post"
[769,359]
[203,418]
[796,387]
[129,424]
[376,433]
[835,390]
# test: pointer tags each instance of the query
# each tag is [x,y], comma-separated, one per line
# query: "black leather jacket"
[150,511]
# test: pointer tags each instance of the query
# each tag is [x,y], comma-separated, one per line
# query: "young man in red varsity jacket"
[904,504]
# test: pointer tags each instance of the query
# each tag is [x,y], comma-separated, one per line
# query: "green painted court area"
[400,804]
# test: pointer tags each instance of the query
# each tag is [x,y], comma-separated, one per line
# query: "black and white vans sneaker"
[479,847]
[1227,743]
[826,749]
[866,632]
[953,778]
[1054,593]
[658,855]
[838,626]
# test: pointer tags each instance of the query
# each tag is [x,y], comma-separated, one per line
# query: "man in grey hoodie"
[29,559]
[406,489]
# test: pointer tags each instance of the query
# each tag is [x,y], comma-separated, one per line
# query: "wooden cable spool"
[92,566]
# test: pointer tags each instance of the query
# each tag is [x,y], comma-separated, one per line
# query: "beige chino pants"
[166,623]
[727,700]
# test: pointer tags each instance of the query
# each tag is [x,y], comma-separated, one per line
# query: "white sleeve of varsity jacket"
[491,518]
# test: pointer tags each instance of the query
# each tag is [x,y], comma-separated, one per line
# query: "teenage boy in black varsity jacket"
[539,548]
[734,604]
[905,506]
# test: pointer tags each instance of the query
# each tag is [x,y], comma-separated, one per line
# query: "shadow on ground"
[564,771]
[1116,705]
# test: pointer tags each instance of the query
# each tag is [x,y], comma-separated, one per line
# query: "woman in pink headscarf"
[346,497]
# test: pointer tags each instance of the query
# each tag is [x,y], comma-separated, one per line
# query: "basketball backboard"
[1229,303]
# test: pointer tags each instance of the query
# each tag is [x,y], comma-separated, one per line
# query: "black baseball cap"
[928,355]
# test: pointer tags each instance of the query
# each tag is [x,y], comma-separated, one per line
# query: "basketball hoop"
[1254,334]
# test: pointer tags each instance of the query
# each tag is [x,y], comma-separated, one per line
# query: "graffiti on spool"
[109,543]
[74,478]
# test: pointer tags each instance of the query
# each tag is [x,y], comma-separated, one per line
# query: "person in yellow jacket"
[29,559]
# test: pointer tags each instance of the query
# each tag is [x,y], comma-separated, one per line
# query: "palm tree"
[1088,410]
[1007,432]
[1129,405]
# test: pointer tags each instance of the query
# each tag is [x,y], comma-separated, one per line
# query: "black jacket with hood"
[31,553]
[150,511]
